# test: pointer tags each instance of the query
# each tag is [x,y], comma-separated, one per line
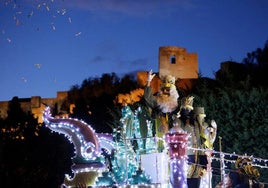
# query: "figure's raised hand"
[213,124]
[150,76]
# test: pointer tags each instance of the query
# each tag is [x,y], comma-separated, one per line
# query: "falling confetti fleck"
[77,34]
[9,40]
[31,14]
[63,11]
[53,26]
[70,20]
[24,79]
[38,65]
[17,22]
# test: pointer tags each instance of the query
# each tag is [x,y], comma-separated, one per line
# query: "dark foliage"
[252,72]
[30,155]
[95,100]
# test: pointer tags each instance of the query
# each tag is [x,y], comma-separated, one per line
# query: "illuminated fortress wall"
[178,62]
[35,105]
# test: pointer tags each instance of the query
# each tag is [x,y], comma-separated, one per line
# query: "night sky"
[50,45]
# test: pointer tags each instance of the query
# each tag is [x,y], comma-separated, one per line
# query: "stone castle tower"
[177,62]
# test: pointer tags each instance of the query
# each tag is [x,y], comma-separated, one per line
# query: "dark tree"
[95,100]
[30,155]
[18,124]
[257,65]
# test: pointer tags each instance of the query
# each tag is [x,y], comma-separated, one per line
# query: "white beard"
[168,103]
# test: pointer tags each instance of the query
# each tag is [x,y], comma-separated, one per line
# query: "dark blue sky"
[50,45]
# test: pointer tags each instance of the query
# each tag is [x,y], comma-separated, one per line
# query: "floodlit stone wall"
[35,105]
[176,61]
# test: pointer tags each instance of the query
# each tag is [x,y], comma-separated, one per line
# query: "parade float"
[176,151]
[142,166]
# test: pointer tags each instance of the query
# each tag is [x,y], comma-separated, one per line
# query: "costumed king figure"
[164,104]
[207,138]
[193,121]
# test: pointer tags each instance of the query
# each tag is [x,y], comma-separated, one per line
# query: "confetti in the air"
[48,9]
[38,65]
[30,14]
[17,22]
[63,11]
[77,34]
[24,79]
[53,26]
[20,14]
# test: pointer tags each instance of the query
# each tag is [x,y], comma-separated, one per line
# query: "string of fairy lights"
[255,160]
[224,158]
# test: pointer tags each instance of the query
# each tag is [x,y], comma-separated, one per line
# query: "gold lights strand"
[254,159]
[225,169]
